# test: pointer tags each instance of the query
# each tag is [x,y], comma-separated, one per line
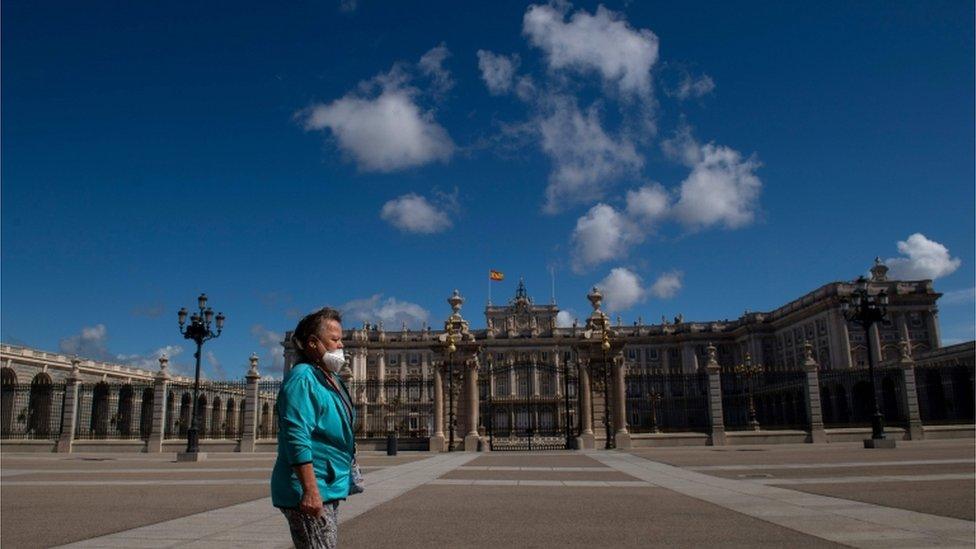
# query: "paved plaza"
[920,494]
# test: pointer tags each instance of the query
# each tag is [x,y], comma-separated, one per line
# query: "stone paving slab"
[850,523]
[603,475]
[534,459]
[547,517]
[950,498]
[865,479]
[266,527]
[847,464]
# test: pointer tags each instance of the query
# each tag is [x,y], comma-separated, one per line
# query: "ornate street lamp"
[748,370]
[451,348]
[866,309]
[607,420]
[198,331]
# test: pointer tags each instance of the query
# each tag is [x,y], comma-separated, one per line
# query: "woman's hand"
[311,503]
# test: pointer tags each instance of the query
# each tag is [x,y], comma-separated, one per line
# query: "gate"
[529,407]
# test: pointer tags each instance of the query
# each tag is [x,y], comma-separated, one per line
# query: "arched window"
[231,420]
[185,402]
[100,413]
[861,398]
[171,419]
[146,413]
[39,406]
[265,420]
[123,415]
[962,392]
[217,418]
[8,392]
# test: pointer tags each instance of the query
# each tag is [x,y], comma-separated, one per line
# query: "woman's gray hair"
[311,325]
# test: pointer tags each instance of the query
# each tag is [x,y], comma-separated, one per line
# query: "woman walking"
[315,437]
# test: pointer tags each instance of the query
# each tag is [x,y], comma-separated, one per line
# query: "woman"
[315,438]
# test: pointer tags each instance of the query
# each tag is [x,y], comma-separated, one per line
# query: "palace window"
[414,358]
[652,353]
[393,359]
[632,353]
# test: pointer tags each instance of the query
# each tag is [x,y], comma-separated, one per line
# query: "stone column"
[932,323]
[840,342]
[159,419]
[689,359]
[424,373]
[874,340]
[557,377]
[70,411]
[811,390]
[622,436]
[251,403]
[910,396]
[665,359]
[716,417]
[586,439]
[472,438]
[437,441]
[381,376]
[901,320]
[535,377]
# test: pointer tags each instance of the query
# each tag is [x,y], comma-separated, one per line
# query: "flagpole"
[489,287]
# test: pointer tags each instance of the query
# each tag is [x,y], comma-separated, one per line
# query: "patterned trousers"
[314,532]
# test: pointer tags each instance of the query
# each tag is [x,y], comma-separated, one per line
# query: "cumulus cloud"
[649,204]
[215,365]
[920,259]
[585,157]
[564,319]
[498,71]
[667,285]
[391,311]
[381,126]
[91,343]
[693,87]
[270,341]
[432,65]
[602,42]
[348,6]
[722,188]
[602,234]
[150,360]
[414,214]
[621,289]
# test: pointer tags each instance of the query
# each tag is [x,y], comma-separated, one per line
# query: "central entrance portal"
[529,406]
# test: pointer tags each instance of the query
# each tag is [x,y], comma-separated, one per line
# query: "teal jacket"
[313,427]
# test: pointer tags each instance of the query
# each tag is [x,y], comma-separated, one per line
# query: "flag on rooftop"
[496,275]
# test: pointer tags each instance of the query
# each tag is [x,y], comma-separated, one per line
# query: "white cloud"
[958,297]
[667,285]
[602,234]
[585,158]
[432,65]
[348,6]
[601,42]
[692,87]
[388,130]
[150,361]
[391,311]
[648,204]
[215,365]
[722,188]
[564,319]
[926,259]
[498,71]
[413,213]
[90,343]
[621,289]
[270,340]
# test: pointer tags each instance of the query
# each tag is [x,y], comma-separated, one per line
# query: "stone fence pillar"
[587,441]
[811,392]
[251,403]
[70,411]
[437,440]
[621,438]
[910,396]
[716,417]
[472,437]
[159,419]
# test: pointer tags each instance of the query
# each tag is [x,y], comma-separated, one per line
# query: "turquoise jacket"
[313,427]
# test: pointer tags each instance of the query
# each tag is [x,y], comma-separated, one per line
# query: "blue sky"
[700,159]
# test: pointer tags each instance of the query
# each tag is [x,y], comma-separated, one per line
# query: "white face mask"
[334,360]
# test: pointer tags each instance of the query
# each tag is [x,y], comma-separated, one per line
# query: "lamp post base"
[191,456]
[879,443]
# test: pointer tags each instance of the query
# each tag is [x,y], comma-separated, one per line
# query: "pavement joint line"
[17,472]
[856,524]
[827,465]
[537,483]
[527,468]
[853,479]
[222,527]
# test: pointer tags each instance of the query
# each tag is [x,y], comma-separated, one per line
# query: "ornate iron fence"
[667,402]
[845,397]
[267,409]
[118,412]
[32,411]
[404,407]
[529,407]
[945,395]
[767,400]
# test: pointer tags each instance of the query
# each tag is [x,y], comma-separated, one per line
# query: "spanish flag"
[496,275]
